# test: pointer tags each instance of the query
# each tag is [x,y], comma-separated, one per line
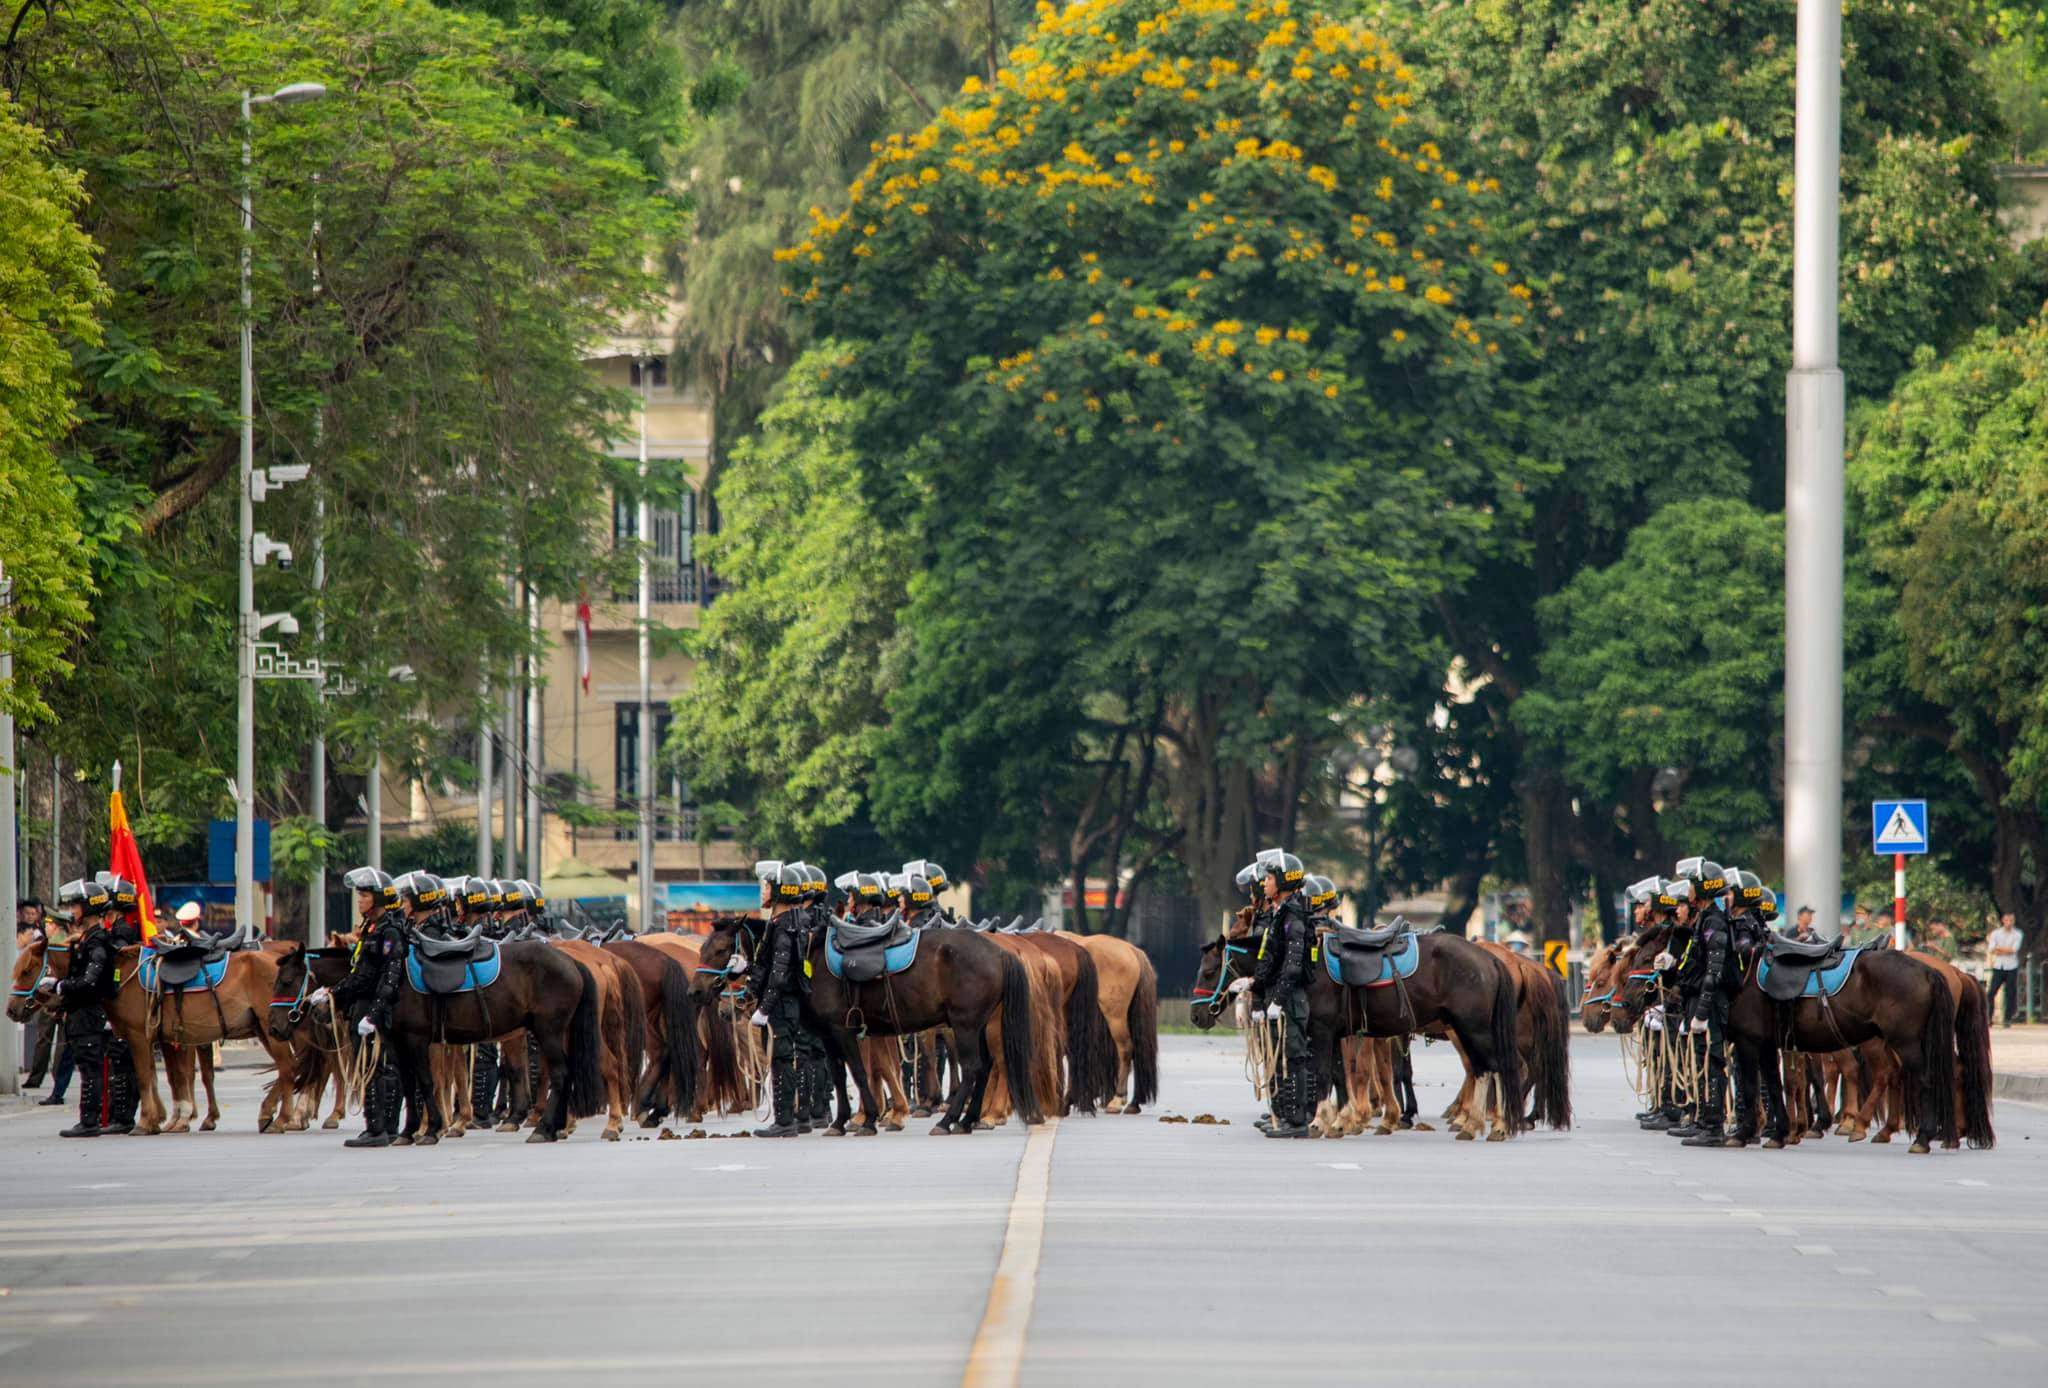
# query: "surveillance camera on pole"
[263,549]
[264,481]
[284,623]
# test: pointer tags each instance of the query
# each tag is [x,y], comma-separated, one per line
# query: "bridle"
[740,925]
[1215,998]
[43,974]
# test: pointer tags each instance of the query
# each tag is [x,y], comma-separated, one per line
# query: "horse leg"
[963,1106]
[851,1052]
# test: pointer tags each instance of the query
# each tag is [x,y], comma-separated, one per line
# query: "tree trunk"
[1544,811]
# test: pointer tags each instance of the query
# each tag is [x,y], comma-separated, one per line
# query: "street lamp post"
[245,680]
[643,770]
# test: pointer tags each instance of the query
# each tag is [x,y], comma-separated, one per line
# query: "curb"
[2027,1089]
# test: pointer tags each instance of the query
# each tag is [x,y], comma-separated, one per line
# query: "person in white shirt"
[2002,948]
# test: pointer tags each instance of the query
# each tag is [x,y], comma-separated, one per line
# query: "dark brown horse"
[959,981]
[1888,996]
[537,987]
[670,1084]
[1456,986]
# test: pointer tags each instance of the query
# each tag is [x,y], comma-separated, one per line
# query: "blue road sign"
[1898,826]
[220,850]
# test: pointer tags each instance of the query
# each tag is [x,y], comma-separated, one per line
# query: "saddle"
[862,951]
[181,966]
[461,964]
[1787,968]
[1372,957]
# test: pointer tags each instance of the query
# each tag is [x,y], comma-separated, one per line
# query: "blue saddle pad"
[482,974]
[1395,963]
[895,959]
[209,975]
[1821,982]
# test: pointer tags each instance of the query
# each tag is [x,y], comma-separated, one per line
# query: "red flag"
[127,863]
[583,640]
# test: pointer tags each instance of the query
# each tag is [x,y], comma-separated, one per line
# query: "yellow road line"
[997,1358]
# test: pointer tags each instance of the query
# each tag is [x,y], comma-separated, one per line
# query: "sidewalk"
[2019,1063]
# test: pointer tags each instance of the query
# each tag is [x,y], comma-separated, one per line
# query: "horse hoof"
[610,1134]
[921,1111]
[209,1125]
[1465,1135]
[330,1124]
[1774,1144]
[427,1141]
[507,1127]
[1918,1149]
[1421,1127]
[1497,1135]
[893,1125]
[1131,1110]
[540,1135]
[835,1131]
[866,1130]
[941,1129]
[1115,1106]
[1881,1137]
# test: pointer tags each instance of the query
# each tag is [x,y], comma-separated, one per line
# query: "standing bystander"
[1803,931]
[2002,949]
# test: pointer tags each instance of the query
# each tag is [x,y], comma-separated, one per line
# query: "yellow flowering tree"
[1181,338]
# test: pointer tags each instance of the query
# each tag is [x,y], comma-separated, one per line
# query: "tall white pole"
[508,772]
[1813,480]
[374,807]
[10,885]
[643,771]
[316,905]
[486,798]
[56,829]
[533,741]
[245,678]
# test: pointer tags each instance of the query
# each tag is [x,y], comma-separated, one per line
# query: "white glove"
[1238,985]
[318,996]
[1663,961]
[1654,1019]
[737,964]
[759,1019]
[366,1027]
[1698,1027]
[1272,1011]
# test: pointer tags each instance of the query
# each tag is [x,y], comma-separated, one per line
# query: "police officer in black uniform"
[368,996]
[1703,972]
[1673,897]
[776,981]
[82,996]
[124,926]
[1279,964]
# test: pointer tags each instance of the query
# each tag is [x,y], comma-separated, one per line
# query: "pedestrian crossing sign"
[1898,826]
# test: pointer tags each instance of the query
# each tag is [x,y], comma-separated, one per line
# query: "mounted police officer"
[82,996]
[478,902]
[813,1076]
[1703,972]
[1279,971]
[776,981]
[368,997]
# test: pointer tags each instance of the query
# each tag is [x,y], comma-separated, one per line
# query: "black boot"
[380,1111]
[483,1082]
[1290,1111]
[785,1104]
[124,1096]
[91,1100]
[805,1081]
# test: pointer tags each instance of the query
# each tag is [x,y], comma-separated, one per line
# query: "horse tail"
[679,1025]
[722,1058]
[1019,1044]
[1141,1019]
[1938,1057]
[1552,1061]
[1973,1049]
[634,1002]
[584,1084]
[1087,1029]
[1506,1057]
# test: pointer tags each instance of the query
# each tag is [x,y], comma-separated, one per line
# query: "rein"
[1215,998]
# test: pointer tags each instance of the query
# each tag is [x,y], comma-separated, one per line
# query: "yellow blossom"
[1400,336]
[1330,392]
[1277,375]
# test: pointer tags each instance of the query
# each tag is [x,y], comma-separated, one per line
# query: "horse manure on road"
[1210,1120]
[669,1135]
[694,1134]
[1174,1118]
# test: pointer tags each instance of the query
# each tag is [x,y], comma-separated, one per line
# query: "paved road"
[1164,1252]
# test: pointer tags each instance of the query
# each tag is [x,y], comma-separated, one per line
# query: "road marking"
[1814,1250]
[1950,1315]
[1341,1165]
[1778,1231]
[1847,1271]
[2007,1340]
[1966,1181]
[1712,1197]
[1902,1291]
[997,1358]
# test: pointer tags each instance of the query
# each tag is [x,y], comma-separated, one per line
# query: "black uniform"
[813,1076]
[89,985]
[1703,976]
[1279,962]
[124,1089]
[376,973]
[777,981]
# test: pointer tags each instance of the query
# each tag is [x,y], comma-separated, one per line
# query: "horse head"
[288,993]
[1223,962]
[1598,1001]
[29,976]
[730,936]
[1635,976]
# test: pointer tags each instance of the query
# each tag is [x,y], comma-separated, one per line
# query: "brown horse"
[1088,1046]
[1048,1025]
[623,1027]
[671,1012]
[179,1025]
[959,980]
[721,1082]
[1129,992]
[1973,1066]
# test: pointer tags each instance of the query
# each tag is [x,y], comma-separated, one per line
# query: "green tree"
[795,93]
[49,289]
[1646,152]
[422,351]
[1949,488]
[786,710]
[1181,339]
